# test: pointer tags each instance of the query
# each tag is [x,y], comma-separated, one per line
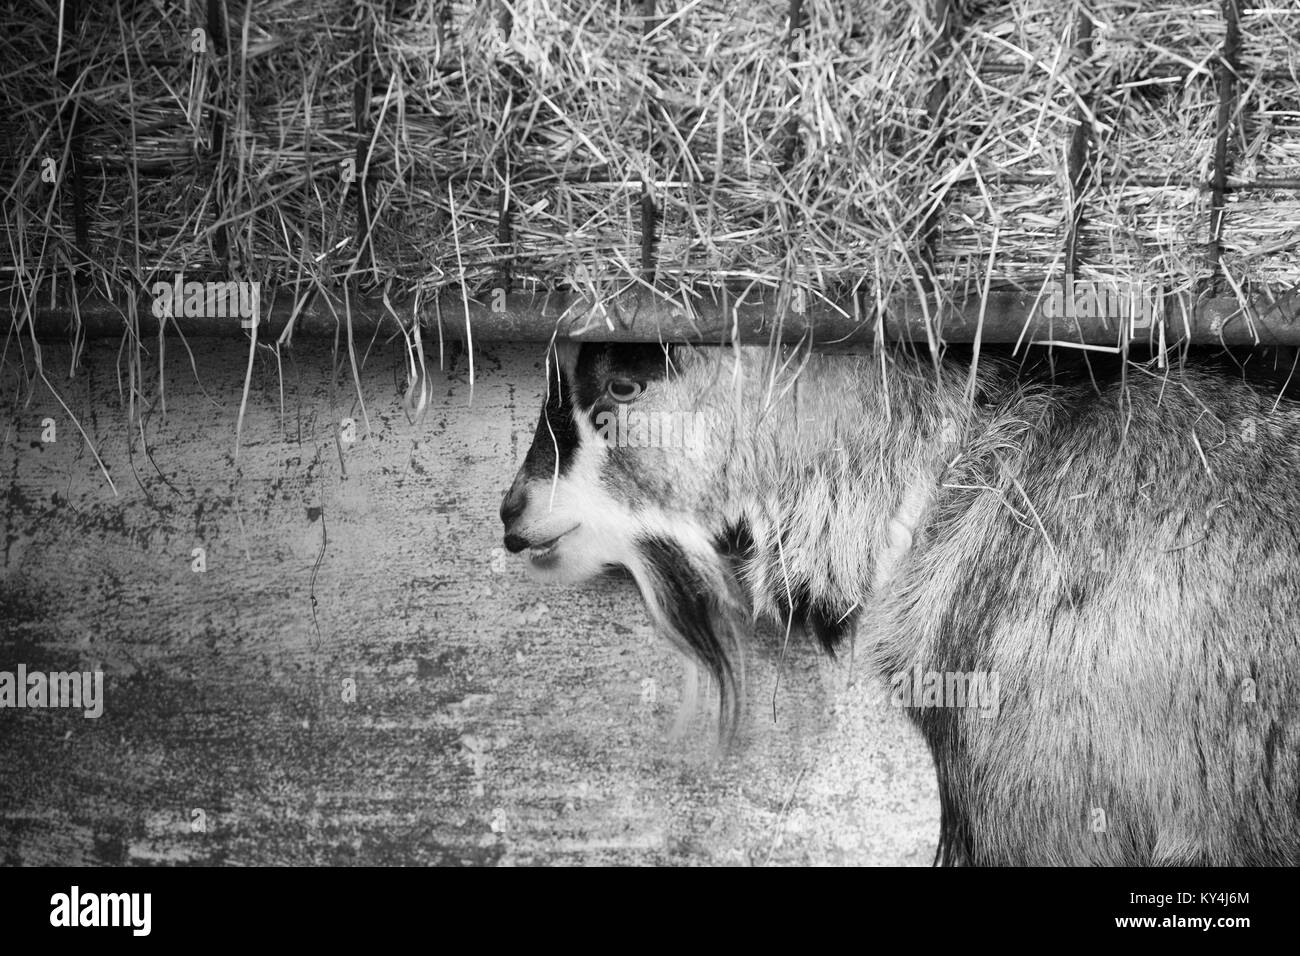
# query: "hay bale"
[554,144]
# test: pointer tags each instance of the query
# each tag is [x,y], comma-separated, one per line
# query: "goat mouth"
[544,552]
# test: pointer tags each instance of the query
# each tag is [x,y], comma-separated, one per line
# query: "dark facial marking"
[556,430]
[584,385]
[599,363]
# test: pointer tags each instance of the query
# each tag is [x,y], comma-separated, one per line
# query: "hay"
[773,159]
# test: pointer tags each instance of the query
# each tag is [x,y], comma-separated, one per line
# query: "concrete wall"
[495,720]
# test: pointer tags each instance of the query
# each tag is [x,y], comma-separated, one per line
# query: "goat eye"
[624,390]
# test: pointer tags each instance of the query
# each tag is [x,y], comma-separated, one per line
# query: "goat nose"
[513,505]
[515,544]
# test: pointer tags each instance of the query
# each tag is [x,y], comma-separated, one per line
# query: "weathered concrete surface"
[495,720]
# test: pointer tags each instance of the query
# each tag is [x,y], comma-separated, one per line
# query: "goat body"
[1121,564]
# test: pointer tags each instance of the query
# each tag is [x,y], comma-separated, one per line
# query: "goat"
[1121,558]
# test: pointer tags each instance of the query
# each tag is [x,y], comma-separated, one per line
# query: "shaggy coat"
[1123,557]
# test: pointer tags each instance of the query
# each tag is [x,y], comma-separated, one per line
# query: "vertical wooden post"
[1227,74]
[505,236]
[1078,156]
[649,214]
[361,120]
[943,18]
[220,105]
[791,131]
[789,148]
[70,119]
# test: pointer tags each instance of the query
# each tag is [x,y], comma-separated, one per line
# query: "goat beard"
[697,604]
